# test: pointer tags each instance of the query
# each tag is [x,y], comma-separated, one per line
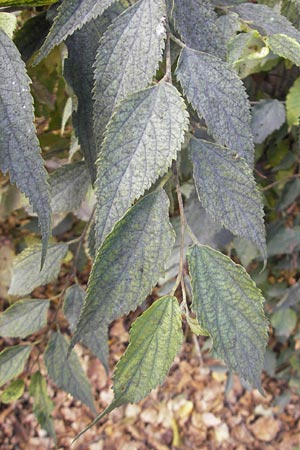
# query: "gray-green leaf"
[72,15]
[66,372]
[12,361]
[73,303]
[68,186]
[19,146]
[267,116]
[23,318]
[129,263]
[227,190]
[26,269]
[42,405]
[230,307]
[128,57]
[155,339]
[285,46]
[142,138]
[215,91]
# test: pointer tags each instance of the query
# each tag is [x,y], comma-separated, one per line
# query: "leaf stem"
[177,41]
[168,74]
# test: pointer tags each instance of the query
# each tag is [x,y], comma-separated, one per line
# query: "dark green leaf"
[215,91]
[23,318]
[290,192]
[73,303]
[135,252]
[72,15]
[128,57]
[19,146]
[155,339]
[230,307]
[227,190]
[14,391]
[42,405]
[12,361]
[68,186]
[284,241]
[141,140]
[29,38]
[26,269]
[66,372]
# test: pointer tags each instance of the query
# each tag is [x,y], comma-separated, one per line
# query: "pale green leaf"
[196,22]
[27,3]
[42,405]
[267,116]
[135,252]
[14,391]
[73,303]
[284,321]
[66,371]
[218,95]
[128,57]
[8,23]
[23,318]
[72,15]
[79,73]
[285,46]
[155,339]
[227,190]
[12,362]
[141,141]
[68,186]
[293,104]
[229,305]
[19,146]
[26,269]
[195,327]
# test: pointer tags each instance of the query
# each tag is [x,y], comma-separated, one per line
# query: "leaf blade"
[12,362]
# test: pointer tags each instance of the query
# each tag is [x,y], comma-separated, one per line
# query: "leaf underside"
[230,307]
[142,138]
[19,146]
[136,253]
[226,187]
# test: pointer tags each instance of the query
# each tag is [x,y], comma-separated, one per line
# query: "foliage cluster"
[162,153]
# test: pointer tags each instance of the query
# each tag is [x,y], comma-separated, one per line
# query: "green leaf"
[227,190]
[140,142]
[195,327]
[23,318]
[284,321]
[135,252]
[293,104]
[229,305]
[285,241]
[73,303]
[42,405]
[267,116]
[285,46]
[26,3]
[13,392]
[215,91]
[128,57]
[79,73]
[196,22]
[71,16]
[26,269]
[12,361]
[68,186]
[66,372]
[8,23]
[19,146]
[155,339]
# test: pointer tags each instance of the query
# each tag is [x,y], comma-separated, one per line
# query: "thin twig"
[80,242]
[168,74]
[177,41]
[283,180]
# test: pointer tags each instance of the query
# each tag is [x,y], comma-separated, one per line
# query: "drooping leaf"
[68,186]
[71,16]
[135,252]
[128,57]
[26,269]
[66,372]
[284,241]
[218,95]
[286,47]
[229,305]
[42,405]
[19,146]
[79,73]
[142,138]
[14,391]
[155,339]
[227,190]
[293,104]
[267,116]
[23,318]
[12,361]
[196,21]
[73,303]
